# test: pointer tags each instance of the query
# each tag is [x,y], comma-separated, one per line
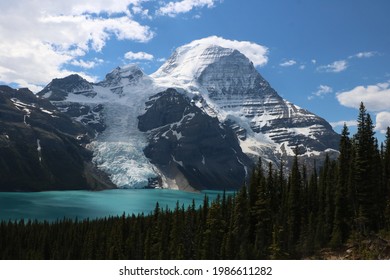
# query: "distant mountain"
[199,122]
[41,148]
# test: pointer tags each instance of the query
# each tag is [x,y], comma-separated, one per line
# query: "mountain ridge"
[222,84]
[42,149]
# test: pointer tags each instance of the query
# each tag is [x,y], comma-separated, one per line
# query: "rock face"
[184,141]
[235,92]
[42,149]
[59,89]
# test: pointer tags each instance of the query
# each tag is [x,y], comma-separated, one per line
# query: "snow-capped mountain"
[198,122]
[234,91]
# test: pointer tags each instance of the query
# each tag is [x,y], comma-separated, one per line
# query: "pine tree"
[366,177]
[330,183]
[262,215]
[341,216]
[240,228]
[304,247]
[253,196]
[256,178]
[312,211]
[386,177]
[293,207]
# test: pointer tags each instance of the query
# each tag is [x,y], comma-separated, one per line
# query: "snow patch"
[25,119]
[39,149]
[46,111]
[178,135]
[177,161]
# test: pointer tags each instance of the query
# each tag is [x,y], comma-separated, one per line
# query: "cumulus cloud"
[99,6]
[382,121]
[258,54]
[87,64]
[39,38]
[375,97]
[321,91]
[341,123]
[288,63]
[138,56]
[172,9]
[335,67]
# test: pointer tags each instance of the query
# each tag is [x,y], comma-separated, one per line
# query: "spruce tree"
[293,207]
[341,216]
[240,228]
[366,177]
[262,215]
[386,177]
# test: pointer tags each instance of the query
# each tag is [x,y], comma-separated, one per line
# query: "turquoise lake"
[55,205]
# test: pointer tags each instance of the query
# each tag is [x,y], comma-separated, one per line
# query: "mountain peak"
[215,67]
[189,61]
[123,75]
[128,70]
[58,89]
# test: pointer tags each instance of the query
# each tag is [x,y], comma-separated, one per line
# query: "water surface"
[55,205]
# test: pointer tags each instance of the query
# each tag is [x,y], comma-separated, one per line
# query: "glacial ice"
[119,149]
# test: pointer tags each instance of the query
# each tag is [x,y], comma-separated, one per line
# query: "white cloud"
[341,123]
[288,63]
[172,9]
[258,54]
[138,56]
[39,38]
[375,97]
[321,91]
[143,12]
[87,64]
[99,6]
[382,121]
[335,67]
[364,55]
[342,65]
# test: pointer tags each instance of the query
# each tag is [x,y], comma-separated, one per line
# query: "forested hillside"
[277,216]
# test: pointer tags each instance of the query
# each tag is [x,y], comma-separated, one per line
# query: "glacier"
[118,149]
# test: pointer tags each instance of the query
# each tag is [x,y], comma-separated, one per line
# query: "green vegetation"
[274,217]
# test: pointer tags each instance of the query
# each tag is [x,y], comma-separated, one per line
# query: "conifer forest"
[274,216]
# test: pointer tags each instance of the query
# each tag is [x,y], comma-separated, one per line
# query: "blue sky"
[323,55]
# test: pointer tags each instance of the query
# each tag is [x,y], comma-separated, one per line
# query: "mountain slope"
[42,149]
[112,110]
[190,146]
